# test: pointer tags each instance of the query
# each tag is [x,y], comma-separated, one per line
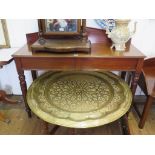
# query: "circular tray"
[79,99]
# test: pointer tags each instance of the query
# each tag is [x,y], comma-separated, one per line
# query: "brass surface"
[79,99]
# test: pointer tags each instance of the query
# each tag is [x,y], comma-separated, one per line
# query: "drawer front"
[49,63]
[80,63]
[106,64]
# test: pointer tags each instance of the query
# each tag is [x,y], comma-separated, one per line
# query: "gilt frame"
[5,33]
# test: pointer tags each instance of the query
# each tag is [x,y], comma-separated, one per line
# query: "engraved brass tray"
[79,99]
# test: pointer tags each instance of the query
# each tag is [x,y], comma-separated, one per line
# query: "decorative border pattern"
[105,23]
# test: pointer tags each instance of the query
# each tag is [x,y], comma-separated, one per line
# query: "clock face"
[106,23]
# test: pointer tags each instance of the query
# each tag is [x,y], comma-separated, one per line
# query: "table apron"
[79,63]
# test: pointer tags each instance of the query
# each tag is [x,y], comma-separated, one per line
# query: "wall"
[143,39]
[17,30]
[8,75]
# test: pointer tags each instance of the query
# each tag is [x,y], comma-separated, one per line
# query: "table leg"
[134,82]
[135,77]
[123,74]
[34,74]
[24,90]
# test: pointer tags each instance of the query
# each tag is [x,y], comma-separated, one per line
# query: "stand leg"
[146,110]
[55,128]
[125,125]
[134,83]
[34,74]
[123,74]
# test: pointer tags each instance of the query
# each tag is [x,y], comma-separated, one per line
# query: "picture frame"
[62,36]
[49,28]
[4,37]
[61,27]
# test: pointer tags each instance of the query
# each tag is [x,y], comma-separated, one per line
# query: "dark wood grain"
[2,63]
[147,84]
[32,37]
[146,110]
[22,84]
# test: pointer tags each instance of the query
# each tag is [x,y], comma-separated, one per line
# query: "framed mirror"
[59,28]
[4,38]
[62,36]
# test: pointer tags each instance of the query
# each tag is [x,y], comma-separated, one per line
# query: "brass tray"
[79,99]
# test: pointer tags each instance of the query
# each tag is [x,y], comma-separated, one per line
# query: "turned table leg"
[24,90]
[23,85]
[134,82]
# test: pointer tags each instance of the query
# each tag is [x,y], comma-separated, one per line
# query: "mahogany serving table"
[100,58]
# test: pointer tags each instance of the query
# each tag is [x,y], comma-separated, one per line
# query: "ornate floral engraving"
[78,95]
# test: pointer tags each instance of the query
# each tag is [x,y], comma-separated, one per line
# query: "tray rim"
[79,124]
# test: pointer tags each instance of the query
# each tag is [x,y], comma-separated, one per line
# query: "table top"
[100,48]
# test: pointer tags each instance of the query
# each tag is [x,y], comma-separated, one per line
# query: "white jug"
[120,34]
